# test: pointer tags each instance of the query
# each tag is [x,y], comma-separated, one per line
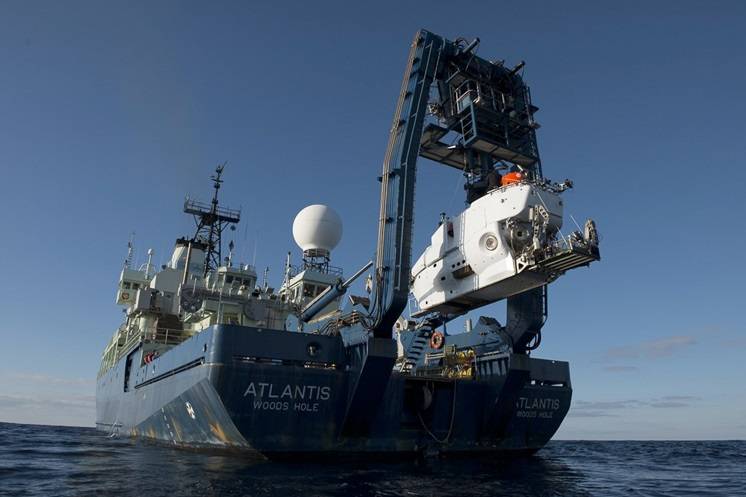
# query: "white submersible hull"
[505,243]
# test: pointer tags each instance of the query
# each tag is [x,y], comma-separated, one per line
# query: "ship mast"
[211,221]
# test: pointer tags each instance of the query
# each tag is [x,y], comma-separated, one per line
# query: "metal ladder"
[414,353]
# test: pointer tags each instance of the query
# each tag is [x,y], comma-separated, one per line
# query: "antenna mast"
[212,220]
[130,250]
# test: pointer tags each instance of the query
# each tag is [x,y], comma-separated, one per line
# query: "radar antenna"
[211,221]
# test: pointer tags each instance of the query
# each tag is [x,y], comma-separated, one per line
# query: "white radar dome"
[317,227]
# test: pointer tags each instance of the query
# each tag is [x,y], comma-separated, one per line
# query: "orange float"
[510,178]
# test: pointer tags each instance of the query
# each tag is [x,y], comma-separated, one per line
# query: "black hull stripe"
[162,376]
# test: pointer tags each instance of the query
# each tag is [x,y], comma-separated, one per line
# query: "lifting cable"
[450,426]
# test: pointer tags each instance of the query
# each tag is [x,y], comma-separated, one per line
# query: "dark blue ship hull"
[263,391]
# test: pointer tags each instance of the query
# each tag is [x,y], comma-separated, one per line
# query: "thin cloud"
[605,405]
[684,398]
[50,380]
[673,401]
[609,408]
[13,401]
[63,410]
[620,369]
[668,405]
[651,349]
[735,343]
[590,414]
[42,402]
[600,409]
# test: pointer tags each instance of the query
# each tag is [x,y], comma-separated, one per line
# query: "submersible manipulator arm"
[485,109]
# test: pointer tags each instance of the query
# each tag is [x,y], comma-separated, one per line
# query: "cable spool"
[437,340]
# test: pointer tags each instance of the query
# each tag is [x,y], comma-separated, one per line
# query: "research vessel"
[208,356]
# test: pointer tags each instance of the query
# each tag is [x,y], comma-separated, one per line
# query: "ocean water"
[58,461]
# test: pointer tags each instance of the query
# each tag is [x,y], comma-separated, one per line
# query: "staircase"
[413,354]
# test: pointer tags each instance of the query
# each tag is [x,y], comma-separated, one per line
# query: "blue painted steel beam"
[394,251]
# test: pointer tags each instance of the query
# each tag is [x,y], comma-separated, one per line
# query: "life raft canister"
[437,340]
[510,178]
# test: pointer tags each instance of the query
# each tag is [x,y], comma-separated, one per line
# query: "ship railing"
[324,268]
[131,337]
[192,206]
[165,336]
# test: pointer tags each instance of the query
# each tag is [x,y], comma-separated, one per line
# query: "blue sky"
[109,115]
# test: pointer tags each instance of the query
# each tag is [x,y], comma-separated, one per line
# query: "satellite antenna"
[317,229]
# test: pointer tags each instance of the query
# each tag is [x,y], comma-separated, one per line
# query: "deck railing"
[165,336]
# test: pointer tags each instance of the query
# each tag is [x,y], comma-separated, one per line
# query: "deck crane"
[483,111]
